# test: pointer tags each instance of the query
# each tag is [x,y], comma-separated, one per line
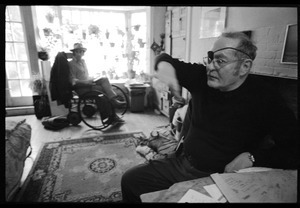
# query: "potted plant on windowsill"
[43,54]
[40,97]
[131,57]
[38,85]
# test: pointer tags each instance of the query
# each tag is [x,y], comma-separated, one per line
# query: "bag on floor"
[55,123]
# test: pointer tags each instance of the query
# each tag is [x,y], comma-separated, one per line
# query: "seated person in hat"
[83,83]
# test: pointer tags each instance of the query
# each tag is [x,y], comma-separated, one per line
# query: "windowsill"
[17,111]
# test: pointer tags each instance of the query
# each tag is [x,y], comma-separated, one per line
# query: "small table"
[177,190]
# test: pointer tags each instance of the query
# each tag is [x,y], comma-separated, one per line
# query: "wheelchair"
[95,109]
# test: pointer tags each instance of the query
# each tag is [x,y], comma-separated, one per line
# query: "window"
[138,29]
[16,55]
[112,48]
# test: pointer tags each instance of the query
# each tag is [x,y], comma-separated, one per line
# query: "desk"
[176,191]
[268,186]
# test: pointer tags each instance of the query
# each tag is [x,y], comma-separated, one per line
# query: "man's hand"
[166,73]
[240,162]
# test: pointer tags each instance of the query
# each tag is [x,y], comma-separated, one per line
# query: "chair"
[93,107]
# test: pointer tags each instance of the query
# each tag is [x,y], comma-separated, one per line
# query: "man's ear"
[246,67]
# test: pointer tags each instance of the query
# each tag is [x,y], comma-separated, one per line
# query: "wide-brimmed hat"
[78,46]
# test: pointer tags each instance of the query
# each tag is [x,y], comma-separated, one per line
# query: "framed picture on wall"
[212,21]
[290,46]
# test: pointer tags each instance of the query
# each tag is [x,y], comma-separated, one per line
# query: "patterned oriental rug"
[82,170]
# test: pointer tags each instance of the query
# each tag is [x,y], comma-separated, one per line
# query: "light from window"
[111,46]
[16,57]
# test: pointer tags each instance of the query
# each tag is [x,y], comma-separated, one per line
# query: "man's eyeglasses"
[218,62]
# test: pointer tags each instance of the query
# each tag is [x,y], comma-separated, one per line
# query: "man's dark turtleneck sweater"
[226,124]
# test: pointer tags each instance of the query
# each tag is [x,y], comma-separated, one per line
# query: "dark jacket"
[60,85]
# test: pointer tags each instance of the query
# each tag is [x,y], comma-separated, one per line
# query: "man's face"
[79,54]
[223,72]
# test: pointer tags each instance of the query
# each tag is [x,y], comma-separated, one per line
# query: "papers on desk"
[192,196]
[215,193]
[264,186]
[254,169]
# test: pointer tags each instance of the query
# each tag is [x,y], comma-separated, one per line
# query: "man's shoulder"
[262,87]
[258,81]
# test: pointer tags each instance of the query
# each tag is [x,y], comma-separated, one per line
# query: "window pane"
[8,33]
[6,15]
[18,33]
[138,22]
[138,18]
[11,70]
[66,16]
[14,88]
[26,91]
[85,17]
[21,51]
[14,13]
[95,18]
[24,70]
[9,52]
[76,17]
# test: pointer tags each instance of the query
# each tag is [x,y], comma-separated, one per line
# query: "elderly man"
[83,83]
[231,115]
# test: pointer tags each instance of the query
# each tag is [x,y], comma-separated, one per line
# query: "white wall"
[268,25]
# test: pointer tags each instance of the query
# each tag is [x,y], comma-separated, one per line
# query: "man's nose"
[210,67]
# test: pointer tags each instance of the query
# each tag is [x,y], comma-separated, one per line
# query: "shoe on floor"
[117,119]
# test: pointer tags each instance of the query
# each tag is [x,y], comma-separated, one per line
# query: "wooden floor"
[144,121]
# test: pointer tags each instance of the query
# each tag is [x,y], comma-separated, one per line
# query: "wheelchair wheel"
[89,110]
[74,118]
[121,96]
[95,110]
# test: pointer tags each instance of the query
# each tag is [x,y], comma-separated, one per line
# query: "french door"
[17,64]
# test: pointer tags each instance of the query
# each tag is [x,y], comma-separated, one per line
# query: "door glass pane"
[17,67]
[26,90]
[11,70]
[8,33]
[14,87]
[21,51]
[6,15]
[9,52]
[14,13]
[24,70]
[18,33]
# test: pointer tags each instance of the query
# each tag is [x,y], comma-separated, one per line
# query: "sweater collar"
[239,90]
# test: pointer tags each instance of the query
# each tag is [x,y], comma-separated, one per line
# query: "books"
[97,78]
